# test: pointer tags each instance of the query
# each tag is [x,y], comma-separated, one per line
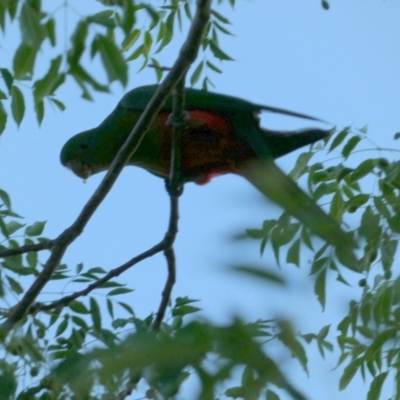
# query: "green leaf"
[117,291]
[301,165]
[24,61]
[320,288]
[259,273]
[147,43]
[15,286]
[59,104]
[196,74]
[13,226]
[17,105]
[3,118]
[62,327]
[325,5]
[271,395]
[35,229]
[78,40]
[32,259]
[349,373]
[8,78]
[183,310]
[338,139]
[376,386]
[350,146]
[104,18]
[365,168]
[5,198]
[218,53]
[46,86]
[130,40]
[236,392]
[357,201]
[32,31]
[288,338]
[113,61]
[388,250]
[78,307]
[39,109]
[50,27]
[138,52]
[213,67]
[293,255]
[95,314]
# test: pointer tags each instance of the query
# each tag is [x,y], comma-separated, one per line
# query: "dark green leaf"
[214,67]
[196,73]
[17,104]
[13,226]
[374,392]
[78,307]
[236,392]
[78,40]
[320,287]
[259,273]
[104,18]
[338,139]
[3,118]
[32,31]
[293,255]
[365,168]
[39,109]
[117,291]
[138,52]
[350,146]
[59,104]
[32,259]
[271,395]
[218,53]
[46,86]
[5,198]
[388,250]
[62,327]
[95,314]
[8,78]
[50,27]
[35,229]
[325,5]
[183,310]
[349,373]
[24,61]
[15,286]
[130,40]
[301,165]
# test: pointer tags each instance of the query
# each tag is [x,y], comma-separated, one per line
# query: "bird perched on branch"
[222,135]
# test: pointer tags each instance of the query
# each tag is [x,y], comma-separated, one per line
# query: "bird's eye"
[84,146]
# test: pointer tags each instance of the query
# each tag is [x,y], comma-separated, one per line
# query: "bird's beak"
[80,169]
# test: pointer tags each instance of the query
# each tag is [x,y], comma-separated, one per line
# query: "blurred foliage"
[83,348]
[123,32]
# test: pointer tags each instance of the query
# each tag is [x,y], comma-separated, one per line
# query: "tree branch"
[187,56]
[46,245]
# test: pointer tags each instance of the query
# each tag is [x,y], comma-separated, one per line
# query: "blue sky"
[340,65]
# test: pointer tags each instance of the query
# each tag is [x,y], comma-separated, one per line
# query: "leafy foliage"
[45,356]
[112,35]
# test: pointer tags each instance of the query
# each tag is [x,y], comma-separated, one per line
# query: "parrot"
[222,135]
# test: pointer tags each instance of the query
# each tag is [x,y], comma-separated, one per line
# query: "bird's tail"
[284,142]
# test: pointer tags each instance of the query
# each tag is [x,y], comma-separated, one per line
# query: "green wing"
[137,99]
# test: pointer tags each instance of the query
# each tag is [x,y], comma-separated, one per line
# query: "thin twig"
[64,301]
[46,245]
[187,56]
